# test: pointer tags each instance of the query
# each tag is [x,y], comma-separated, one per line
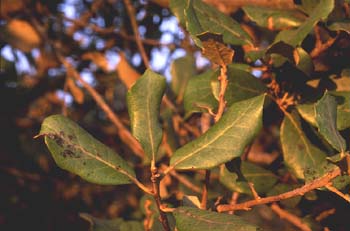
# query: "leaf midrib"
[150,127]
[213,140]
[333,125]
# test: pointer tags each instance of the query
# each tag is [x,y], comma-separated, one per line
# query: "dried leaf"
[127,74]
[22,35]
[77,93]
[98,58]
[214,49]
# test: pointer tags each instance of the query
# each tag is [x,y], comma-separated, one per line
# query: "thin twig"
[123,133]
[205,190]
[336,191]
[254,192]
[319,46]
[112,30]
[291,218]
[183,180]
[64,105]
[234,199]
[131,12]
[205,125]
[315,184]
[325,214]
[155,183]
[148,221]
[222,104]
[223,85]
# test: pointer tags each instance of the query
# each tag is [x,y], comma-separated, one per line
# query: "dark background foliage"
[34,193]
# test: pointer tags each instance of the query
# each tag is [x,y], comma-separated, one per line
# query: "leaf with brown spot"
[75,150]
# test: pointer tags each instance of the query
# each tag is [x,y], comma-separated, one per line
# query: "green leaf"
[225,140]
[308,6]
[282,52]
[298,152]
[303,61]
[144,99]
[343,110]
[198,96]
[242,85]
[295,37]
[307,111]
[274,19]
[177,7]
[343,81]
[182,69]
[340,26]
[75,150]
[254,55]
[326,118]
[201,17]
[262,179]
[193,219]
[117,224]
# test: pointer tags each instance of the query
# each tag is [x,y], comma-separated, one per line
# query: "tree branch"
[156,195]
[131,12]
[223,85]
[123,133]
[291,218]
[315,184]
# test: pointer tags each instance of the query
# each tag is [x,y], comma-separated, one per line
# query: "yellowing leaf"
[20,34]
[98,58]
[127,74]
[77,93]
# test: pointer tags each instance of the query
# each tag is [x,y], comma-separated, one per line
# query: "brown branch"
[205,190]
[131,12]
[336,191]
[64,105]
[315,184]
[254,192]
[155,183]
[148,221]
[325,214]
[183,180]
[112,30]
[291,218]
[205,125]
[223,85]
[222,104]
[319,46]
[234,199]
[123,133]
